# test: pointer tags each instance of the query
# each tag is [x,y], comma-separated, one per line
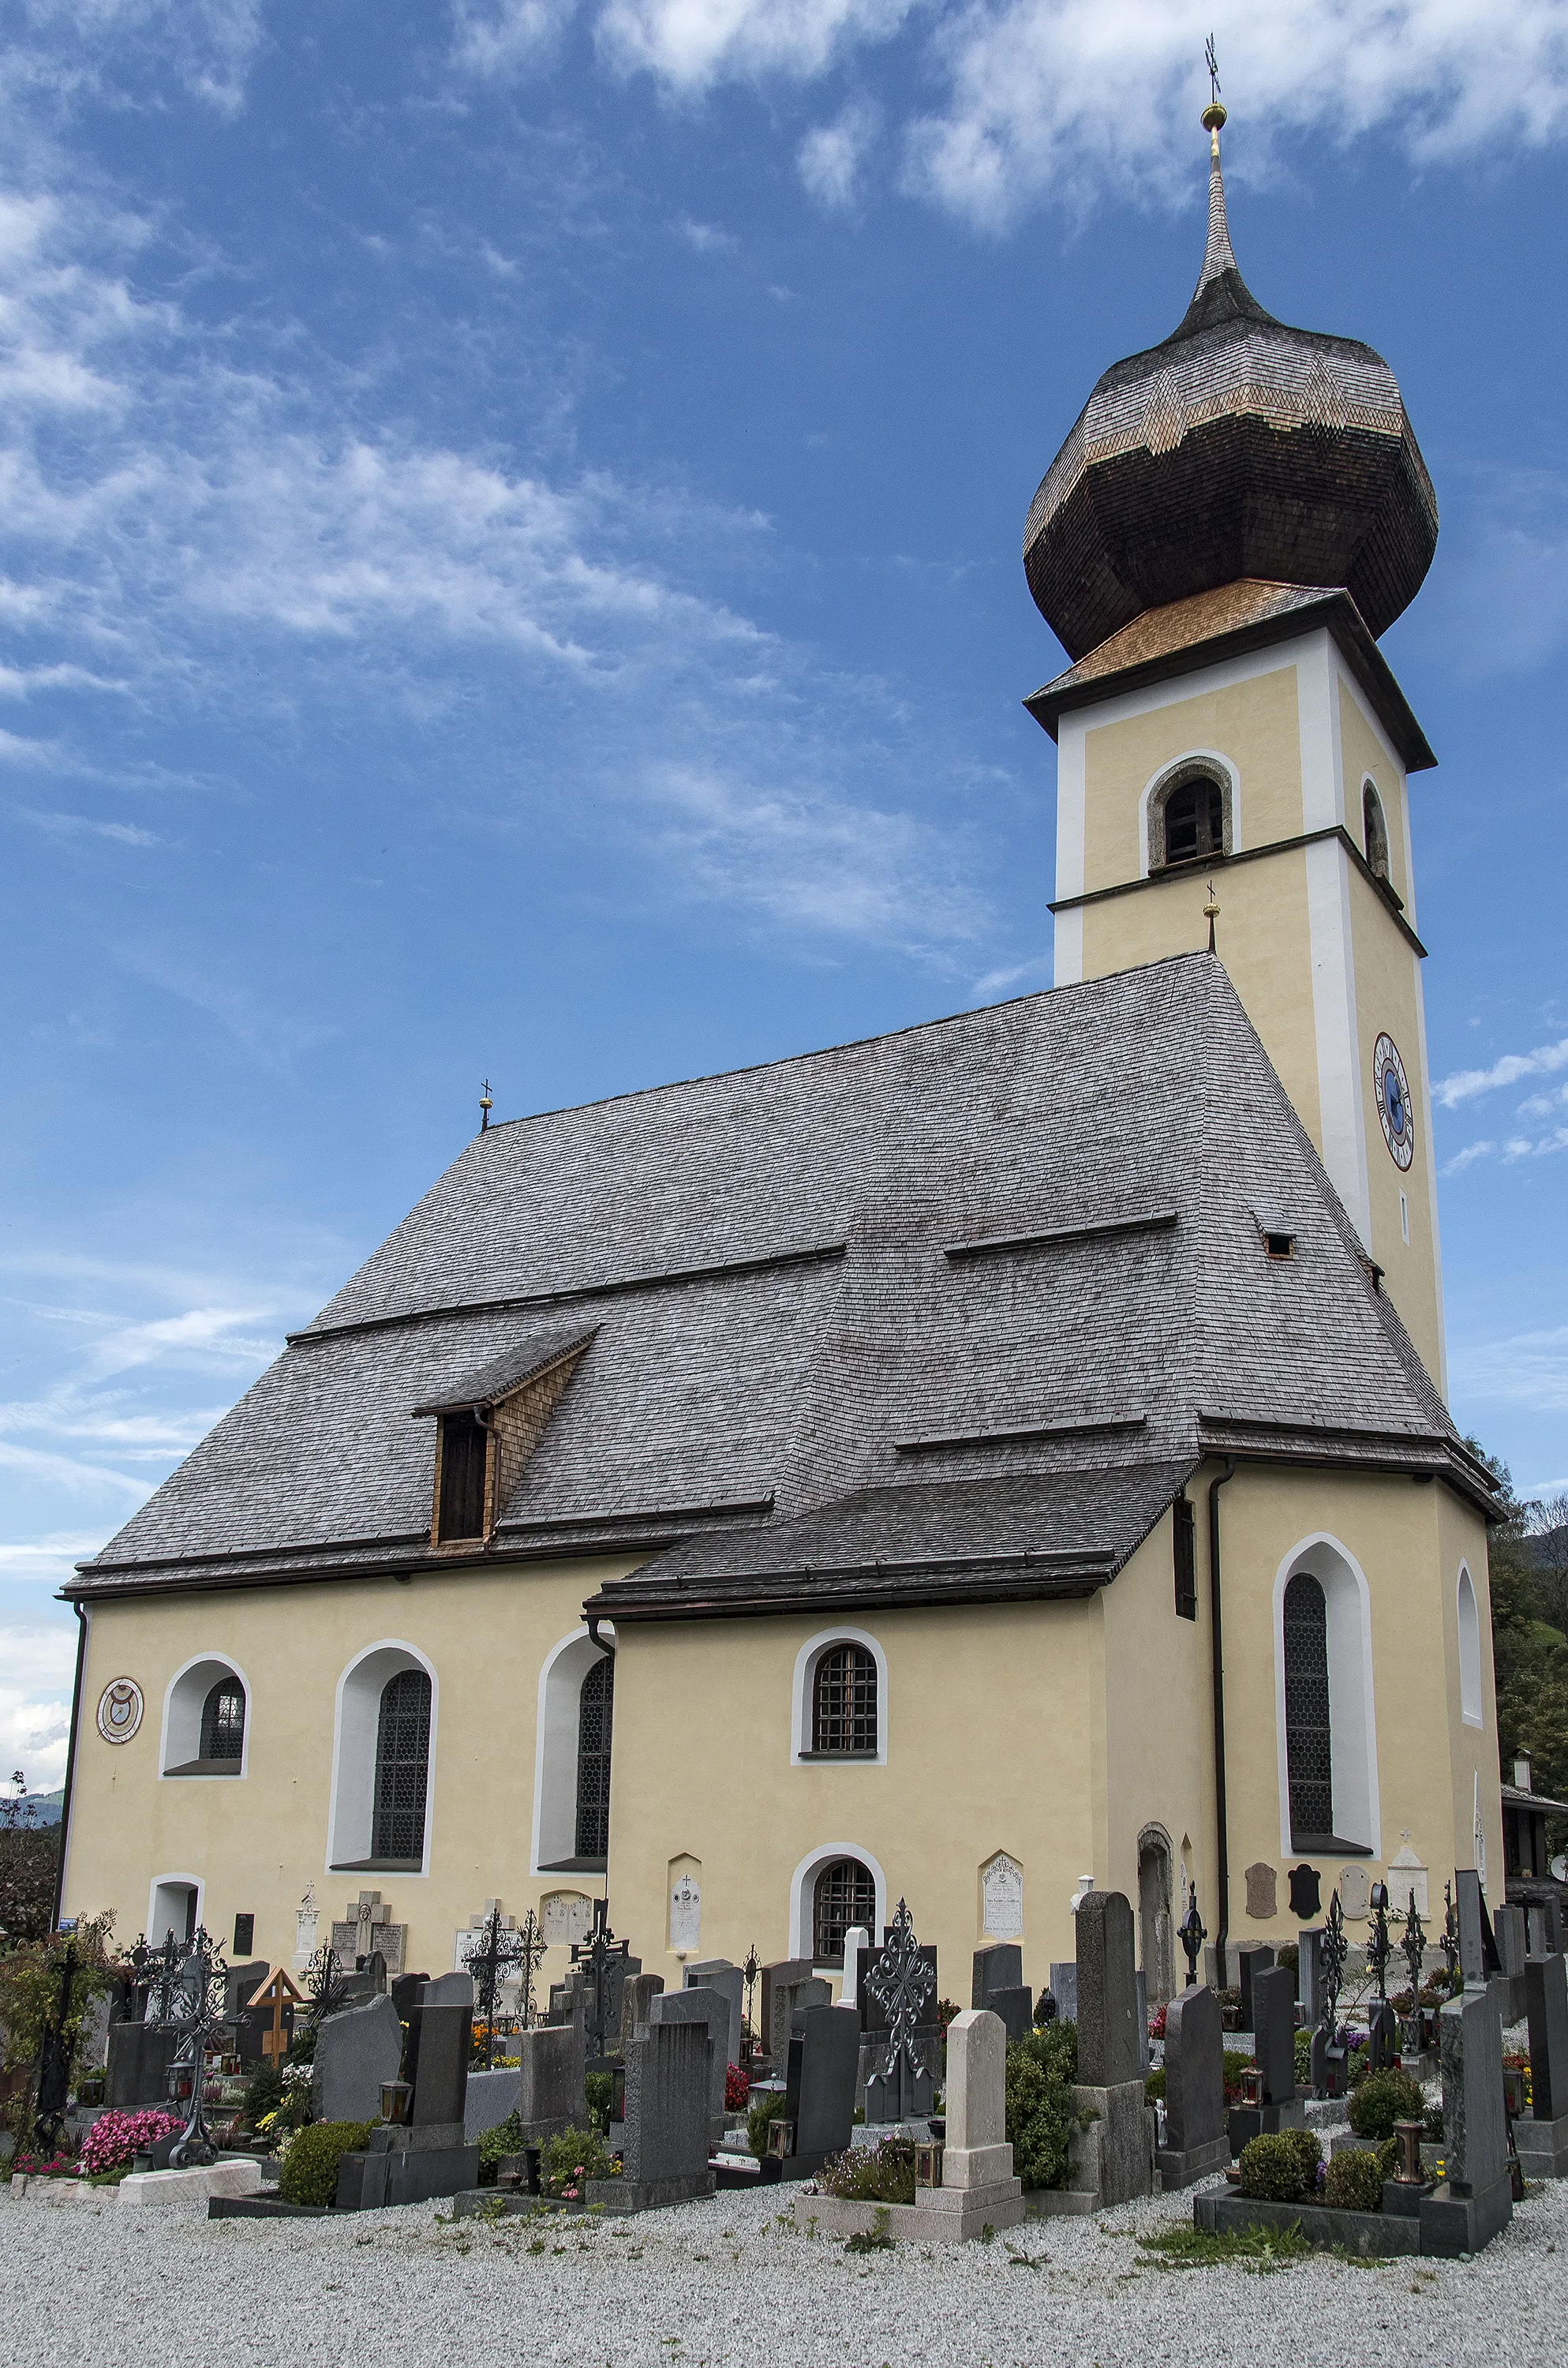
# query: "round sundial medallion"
[119,1710]
[1394,1101]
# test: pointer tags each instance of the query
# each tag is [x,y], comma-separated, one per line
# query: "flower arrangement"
[115,2139]
[737,2089]
[38,2166]
[569,2161]
[1157,2024]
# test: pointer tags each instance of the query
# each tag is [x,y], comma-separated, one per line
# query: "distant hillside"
[46,1806]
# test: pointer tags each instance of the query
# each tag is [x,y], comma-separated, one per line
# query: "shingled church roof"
[944,1301]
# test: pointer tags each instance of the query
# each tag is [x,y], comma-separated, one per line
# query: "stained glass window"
[1308,1756]
[402,1766]
[595,1716]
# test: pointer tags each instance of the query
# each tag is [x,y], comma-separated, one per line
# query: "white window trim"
[189,1882]
[1353,1733]
[1168,773]
[221,1664]
[806,1660]
[1469,1716]
[412,1658]
[802,1893]
[555,1736]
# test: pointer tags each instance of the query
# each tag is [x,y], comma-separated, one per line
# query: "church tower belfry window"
[1374,830]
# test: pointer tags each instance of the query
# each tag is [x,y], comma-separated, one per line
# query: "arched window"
[1374,830]
[1190,812]
[845,1894]
[403,1768]
[844,1702]
[223,1722]
[1308,1736]
[596,1717]
[1469,1651]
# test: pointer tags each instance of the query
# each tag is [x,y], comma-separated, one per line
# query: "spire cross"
[1212,63]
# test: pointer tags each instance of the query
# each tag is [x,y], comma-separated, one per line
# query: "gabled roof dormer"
[488,1423]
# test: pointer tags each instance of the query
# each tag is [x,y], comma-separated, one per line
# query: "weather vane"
[1213,66]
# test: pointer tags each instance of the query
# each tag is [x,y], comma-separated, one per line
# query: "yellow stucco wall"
[1362,753]
[1255,725]
[1388,1000]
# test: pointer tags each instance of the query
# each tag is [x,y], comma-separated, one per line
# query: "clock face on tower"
[1394,1101]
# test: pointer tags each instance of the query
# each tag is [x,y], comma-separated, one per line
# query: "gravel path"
[724,2281]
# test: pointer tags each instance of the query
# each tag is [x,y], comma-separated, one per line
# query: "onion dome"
[1237,447]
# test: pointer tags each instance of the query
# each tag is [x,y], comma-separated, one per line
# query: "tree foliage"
[1528,1562]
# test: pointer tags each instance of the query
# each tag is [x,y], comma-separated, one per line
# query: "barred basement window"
[596,1719]
[465,1444]
[845,1894]
[1185,1568]
[403,1768]
[223,1721]
[1308,1748]
[843,1700]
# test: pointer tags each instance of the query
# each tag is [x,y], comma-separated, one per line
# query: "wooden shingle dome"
[1237,447]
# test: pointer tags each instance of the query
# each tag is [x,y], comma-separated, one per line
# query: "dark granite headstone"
[997,1966]
[1109,2050]
[1196,2141]
[1546,1995]
[669,2082]
[1474,1929]
[138,2069]
[1509,1931]
[441,2086]
[635,1996]
[1306,1893]
[820,2090]
[449,1989]
[1475,2128]
[1309,1973]
[1015,2008]
[241,1983]
[1253,1962]
[718,1974]
[1274,2031]
[550,2094]
[780,1976]
[709,2008]
[356,2051]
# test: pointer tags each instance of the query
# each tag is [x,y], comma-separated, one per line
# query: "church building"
[1008,1452]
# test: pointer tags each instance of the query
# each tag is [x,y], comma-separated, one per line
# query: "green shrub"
[1432,2124]
[1289,1955]
[1357,2067]
[1233,2064]
[575,2156]
[507,2137]
[881,2174]
[1154,2085]
[1382,2098]
[1309,2154]
[1272,2170]
[767,2109]
[1303,2058]
[599,2088]
[1041,2070]
[264,2091]
[1355,2182]
[310,2168]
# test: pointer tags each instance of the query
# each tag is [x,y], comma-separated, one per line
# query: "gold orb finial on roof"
[1214,113]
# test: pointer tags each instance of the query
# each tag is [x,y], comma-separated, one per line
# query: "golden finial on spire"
[1212,914]
[1214,113]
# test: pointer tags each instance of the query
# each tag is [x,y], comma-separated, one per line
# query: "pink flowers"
[116,2137]
[737,2089]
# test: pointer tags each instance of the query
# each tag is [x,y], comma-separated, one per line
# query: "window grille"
[402,1766]
[596,1719]
[223,1721]
[1185,1565]
[1308,1756]
[464,1444]
[845,1894]
[843,1700]
[1194,822]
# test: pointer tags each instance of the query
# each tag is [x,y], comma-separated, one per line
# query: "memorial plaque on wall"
[565,1916]
[1002,1895]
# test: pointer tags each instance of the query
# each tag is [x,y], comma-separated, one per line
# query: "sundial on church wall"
[1394,1101]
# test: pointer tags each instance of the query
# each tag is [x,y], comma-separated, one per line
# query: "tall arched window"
[844,1702]
[223,1722]
[1374,830]
[1469,1651]
[403,1768]
[845,1894]
[596,1718]
[1309,1750]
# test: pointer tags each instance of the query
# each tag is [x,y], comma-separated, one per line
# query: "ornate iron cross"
[1192,1932]
[594,1956]
[1332,1952]
[496,1958]
[903,1982]
[1414,1947]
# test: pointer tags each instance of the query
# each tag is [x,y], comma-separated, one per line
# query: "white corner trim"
[219,1664]
[1068,970]
[1429,1151]
[1465,1585]
[1353,1731]
[1323,775]
[412,1657]
[803,1890]
[1341,1114]
[1070,806]
[806,1660]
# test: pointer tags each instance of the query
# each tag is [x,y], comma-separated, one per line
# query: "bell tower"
[1235,516]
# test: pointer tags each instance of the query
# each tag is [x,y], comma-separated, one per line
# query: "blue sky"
[511,517]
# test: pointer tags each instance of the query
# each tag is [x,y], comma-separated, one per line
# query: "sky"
[511,516]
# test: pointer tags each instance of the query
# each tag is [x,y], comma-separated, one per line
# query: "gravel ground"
[725,2281]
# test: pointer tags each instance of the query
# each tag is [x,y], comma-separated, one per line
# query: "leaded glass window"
[843,1700]
[403,1767]
[223,1721]
[1308,1752]
[596,1717]
[846,1896]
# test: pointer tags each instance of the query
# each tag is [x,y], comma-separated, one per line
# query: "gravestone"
[1508,1932]
[1407,1880]
[488,2100]
[686,1912]
[1142,2019]
[1471,1912]
[367,1927]
[635,1996]
[240,1985]
[718,1974]
[137,2075]
[1476,2199]
[1309,1974]
[551,2095]
[1002,1899]
[1306,1892]
[669,2086]
[998,1966]
[1354,1890]
[1257,1960]
[1064,1990]
[1015,2009]
[898,2019]
[440,2080]
[1196,2140]
[305,1919]
[1108,2048]
[357,2050]
[449,1989]
[710,2010]
[854,1940]
[979,2194]
[777,1979]
[1274,2009]
[565,1917]
[819,2098]
[1540,2137]
[1263,1893]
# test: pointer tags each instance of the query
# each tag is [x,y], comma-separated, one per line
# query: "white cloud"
[1468,1157]
[1466,1083]
[505,37]
[40,1664]
[1529,1370]
[72,1474]
[830,157]
[70,825]
[691,44]
[708,238]
[130,47]
[48,1561]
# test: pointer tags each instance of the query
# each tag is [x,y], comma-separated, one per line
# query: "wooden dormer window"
[465,1463]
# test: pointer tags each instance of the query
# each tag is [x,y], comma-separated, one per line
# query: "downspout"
[81,1611]
[1222,1833]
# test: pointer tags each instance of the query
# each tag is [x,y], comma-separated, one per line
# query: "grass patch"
[1258,2249]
